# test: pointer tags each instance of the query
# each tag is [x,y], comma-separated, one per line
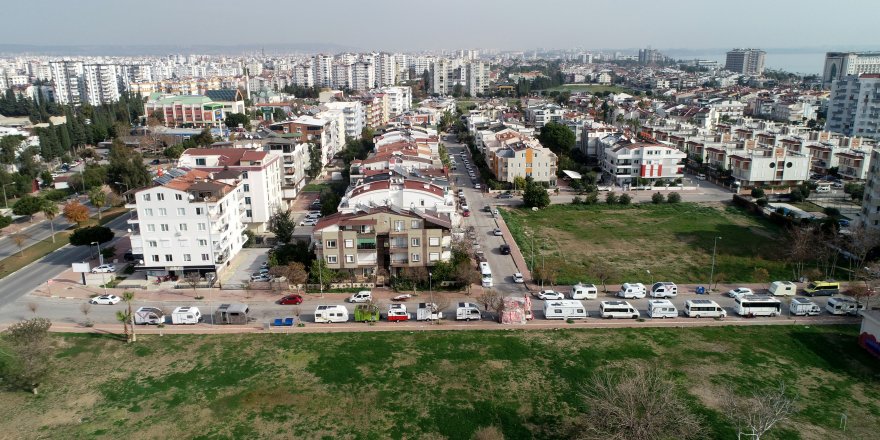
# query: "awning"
[572,174]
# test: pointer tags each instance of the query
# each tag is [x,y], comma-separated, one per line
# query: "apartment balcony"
[398,262]
[398,245]
[367,258]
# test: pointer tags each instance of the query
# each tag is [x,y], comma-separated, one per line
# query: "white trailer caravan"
[584,291]
[564,309]
[428,312]
[149,315]
[632,290]
[843,306]
[662,308]
[782,288]
[804,307]
[467,312]
[331,313]
[664,289]
[186,315]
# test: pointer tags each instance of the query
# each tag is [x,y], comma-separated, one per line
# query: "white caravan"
[664,289]
[186,315]
[703,308]
[584,291]
[149,315]
[804,307]
[632,290]
[758,305]
[843,306]
[782,288]
[331,313]
[428,312]
[564,309]
[662,308]
[467,312]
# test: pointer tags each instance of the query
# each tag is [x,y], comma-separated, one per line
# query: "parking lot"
[243,265]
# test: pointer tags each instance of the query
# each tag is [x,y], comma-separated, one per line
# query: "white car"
[105,299]
[309,222]
[104,268]
[550,294]
[518,278]
[739,292]
[477,186]
[497,232]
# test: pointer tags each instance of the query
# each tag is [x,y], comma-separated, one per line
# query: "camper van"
[186,315]
[366,313]
[664,290]
[564,309]
[231,314]
[361,297]
[428,312]
[703,308]
[804,307]
[149,315]
[843,306]
[617,309]
[822,288]
[661,308]
[467,312]
[397,313]
[782,288]
[485,274]
[584,291]
[632,290]
[328,314]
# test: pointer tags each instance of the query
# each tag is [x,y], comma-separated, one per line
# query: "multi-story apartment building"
[524,159]
[477,78]
[386,69]
[399,100]
[540,115]
[842,64]
[363,76]
[259,171]
[853,164]
[854,106]
[303,74]
[67,76]
[381,241]
[746,61]
[625,161]
[770,166]
[322,131]
[400,191]
[295,164]
[353,116]
[187,222]
[101,83]
[871,201]
[323,65]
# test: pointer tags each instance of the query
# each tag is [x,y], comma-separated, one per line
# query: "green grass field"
[428,385]
[673,241]
[591,88]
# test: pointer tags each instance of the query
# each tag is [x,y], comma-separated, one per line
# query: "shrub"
[673,197]
[758,193]
[611,198]
[624,199]
[657,198]
[831,212]
[592,198]
[576,201]
[762,202]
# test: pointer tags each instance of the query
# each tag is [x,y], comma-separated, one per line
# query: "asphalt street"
[37,232]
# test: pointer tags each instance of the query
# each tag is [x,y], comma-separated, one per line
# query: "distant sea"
[803,62]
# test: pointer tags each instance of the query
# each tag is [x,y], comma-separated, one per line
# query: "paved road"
[37,232]
[29,278]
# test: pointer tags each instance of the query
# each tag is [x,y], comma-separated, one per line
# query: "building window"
[434,256]
[349,258]
[162,212]
[178,197]
[201,161]
[415,258]
[164,227]
[181,211]
[200,211]
[169,257]
[148,212]
[152,243]
[244,175]
[146,197]
[349,243]
[187,257]
[205,257]
[398,225]
[331,244]
[151,228]
[155,258]
[160,197]
[182,227]
[203,242]
[247,188]
[434,241]
[203,227]
[416,242]
[249,213]
[331,259]
[247,200]
[415,223]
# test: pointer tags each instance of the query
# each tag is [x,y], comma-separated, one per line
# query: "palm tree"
[98,199]
[50,210]
[123,317]
[128,297]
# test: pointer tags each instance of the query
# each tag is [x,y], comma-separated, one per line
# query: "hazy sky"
[449,24]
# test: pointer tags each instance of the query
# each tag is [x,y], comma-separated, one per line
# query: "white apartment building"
[399,100]
[77,82]
[773,166]
[67,76]
[626,161]
[187,222]
[401,193]
[871,201]
[323,65]
[354,118]
[839,65]
[363,76]
[304,74]
[259,171]
[540,115]
[854,106]
[477,78]
[386,69]
[295,163]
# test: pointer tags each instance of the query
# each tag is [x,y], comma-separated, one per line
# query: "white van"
[661,308]
[632,290]
[843,306]
[804,307]
[782,288]
[584,291]
[617,309]
[664,289]
[186,315]
[823,188]
[703,308]
[361,297]
[564,309]
[467,312]
[334,313]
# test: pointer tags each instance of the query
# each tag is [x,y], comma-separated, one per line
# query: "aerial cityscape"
[393,220]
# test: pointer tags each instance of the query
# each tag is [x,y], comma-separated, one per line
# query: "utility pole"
[712,272]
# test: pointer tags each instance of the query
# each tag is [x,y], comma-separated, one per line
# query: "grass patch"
[315,187]
[807,206]
[591,88]
[438,384]
[673,241]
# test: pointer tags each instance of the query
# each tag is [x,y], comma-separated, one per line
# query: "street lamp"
[712,272]
[652,276]
[431,291]
[5,201]
[100,257]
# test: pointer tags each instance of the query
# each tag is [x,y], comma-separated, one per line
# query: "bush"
[56,195]
[592,198]
[86,236]
[5,221]
[659,183]
[657,198]
[762,202]
[576,201]
[831,212]
[611,198]
[758,193]
[673,197]
[624,199]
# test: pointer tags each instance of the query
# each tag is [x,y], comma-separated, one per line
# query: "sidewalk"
[516,253]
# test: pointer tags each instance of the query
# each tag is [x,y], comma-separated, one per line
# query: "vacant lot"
[674,242]
[427,385]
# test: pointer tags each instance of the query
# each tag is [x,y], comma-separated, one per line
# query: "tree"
[611,198]
[673,197]
[204,138]
[759,413]
[20,239]
[329,202]
[98,199]
[320,273]
[76,212]
[193,279]
[87,236]
[28,205]
[124,317]
[492,300]
[295,272]
[173,152]
[50,210]
[519,183]
[85,309]
[46,177]
[281,224]
[315,162]
[861,241]
[126,166]
[545,274]
[30,351]
[128,297]
[602,271]
[657,198]
[757,193]
[636,404]
[557,137]
[466,275]
[234,120]
[760,275]
[624,199]
[536,195]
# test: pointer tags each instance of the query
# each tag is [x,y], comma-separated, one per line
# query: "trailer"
[428,312]
[366,313]
[186,315]
[467,311]
[331,313]
[564,309]
[397,313]
[843,306]
[235,313]
[149,315]
[803,307]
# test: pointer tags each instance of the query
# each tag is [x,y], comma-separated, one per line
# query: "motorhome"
[361,297]
[843,306]
[632,290]
[397,313]
[231,314]
[661,308]
[331,313]
[467,312]
[366,313]
[149,315]
[584,291]
[617,309]
[782,288]
[428,312]
[186,315]
[564,309]
[664,289]
[486,274]
[758,305]
[804,307]
[703,308]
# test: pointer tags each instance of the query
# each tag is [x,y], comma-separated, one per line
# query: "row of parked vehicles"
[665,289]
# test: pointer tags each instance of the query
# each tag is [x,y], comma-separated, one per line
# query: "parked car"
[260,278]
[505,196]
[105,299]
[739,292]
[104,268]
[550,294]
[497,232]
[505,249]
[291,299]
[309,222]
[155,162]
[518,278]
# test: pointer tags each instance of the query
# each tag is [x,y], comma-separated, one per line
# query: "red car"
[290,299]
[466,213]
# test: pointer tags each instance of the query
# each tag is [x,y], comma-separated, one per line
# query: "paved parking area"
[243,265]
